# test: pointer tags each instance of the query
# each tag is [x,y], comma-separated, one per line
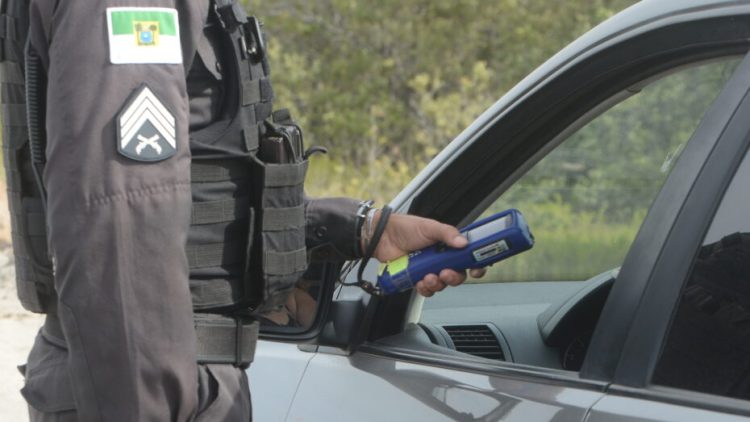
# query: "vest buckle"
[257,45]
[230,14]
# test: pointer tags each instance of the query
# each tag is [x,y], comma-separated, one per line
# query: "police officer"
[158,191]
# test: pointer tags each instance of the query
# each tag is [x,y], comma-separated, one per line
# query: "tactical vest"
[34,280]
[246,243]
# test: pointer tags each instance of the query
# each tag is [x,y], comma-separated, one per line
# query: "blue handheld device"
[491,239]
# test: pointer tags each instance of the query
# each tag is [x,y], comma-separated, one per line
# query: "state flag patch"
[143,35]
[146,129]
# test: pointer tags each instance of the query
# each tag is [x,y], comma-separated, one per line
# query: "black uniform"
[124,113]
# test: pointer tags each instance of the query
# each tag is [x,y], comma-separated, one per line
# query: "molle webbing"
[285,175]
[227,217]
[279,219]
[257,91]
[284,263]
[29,235]
[217,249]
[225,340]
[206,171]
[221,211]
[215,254]
[246,246]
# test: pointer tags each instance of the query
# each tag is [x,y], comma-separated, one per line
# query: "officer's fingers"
[453,238]
[429,285]
[423,290]
[452,278]
[435,284]
[477,272]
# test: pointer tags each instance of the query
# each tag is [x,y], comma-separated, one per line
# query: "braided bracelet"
[385,214]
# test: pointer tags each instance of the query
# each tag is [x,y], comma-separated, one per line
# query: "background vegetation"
[386,85]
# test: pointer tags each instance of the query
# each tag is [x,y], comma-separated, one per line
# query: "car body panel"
[283,364]
[630,409]
[381,389]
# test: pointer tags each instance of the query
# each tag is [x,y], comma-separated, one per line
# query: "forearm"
[332,228]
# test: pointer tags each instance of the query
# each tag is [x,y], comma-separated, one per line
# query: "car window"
[708,343]
[585,201]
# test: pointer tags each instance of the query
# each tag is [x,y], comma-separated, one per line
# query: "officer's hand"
[407,233]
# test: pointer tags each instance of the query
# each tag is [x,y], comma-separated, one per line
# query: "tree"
[385,85]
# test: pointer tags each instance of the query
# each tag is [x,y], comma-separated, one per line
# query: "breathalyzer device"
[491,239]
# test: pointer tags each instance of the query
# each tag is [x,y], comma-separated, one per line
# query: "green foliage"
[381,180]
[401,78]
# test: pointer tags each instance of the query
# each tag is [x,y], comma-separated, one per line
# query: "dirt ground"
[17,328]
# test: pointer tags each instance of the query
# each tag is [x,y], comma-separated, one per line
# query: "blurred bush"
[386,85]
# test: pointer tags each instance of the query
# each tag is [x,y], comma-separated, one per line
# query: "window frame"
[715,162]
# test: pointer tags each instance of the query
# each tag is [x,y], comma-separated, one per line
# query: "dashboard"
[545,324]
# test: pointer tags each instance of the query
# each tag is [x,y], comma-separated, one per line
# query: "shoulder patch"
[143,35]
[146,129]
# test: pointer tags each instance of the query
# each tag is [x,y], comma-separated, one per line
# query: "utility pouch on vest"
[278,257]
[33,267]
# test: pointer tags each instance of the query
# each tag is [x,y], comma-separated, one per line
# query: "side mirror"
[342,328]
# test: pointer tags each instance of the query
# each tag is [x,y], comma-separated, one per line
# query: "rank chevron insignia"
[146,128]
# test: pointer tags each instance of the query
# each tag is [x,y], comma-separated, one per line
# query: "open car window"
[584,202]
[586,199]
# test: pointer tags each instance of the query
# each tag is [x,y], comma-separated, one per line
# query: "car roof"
[644,16]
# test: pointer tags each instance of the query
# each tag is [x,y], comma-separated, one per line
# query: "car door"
[685,356]
[393,358]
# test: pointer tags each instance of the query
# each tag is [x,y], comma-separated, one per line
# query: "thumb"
[449,235]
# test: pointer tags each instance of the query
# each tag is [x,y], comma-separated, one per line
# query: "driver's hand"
[407,233]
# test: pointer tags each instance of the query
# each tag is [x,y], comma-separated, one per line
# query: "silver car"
[627,151]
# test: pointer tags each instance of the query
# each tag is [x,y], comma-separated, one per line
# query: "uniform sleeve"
[118,223]
[331,232]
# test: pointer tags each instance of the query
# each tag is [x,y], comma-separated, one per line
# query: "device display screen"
[486,230]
